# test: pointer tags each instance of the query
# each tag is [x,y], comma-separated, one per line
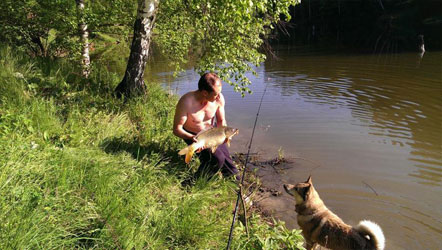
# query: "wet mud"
[264,185]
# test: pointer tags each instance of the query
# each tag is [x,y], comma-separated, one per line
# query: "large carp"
[210,138]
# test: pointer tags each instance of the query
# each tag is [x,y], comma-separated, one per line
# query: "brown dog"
[321,226]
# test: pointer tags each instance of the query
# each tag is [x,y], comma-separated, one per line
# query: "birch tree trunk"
[133,82]
[84,38]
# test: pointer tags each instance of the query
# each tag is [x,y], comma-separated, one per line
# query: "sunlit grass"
[81,169]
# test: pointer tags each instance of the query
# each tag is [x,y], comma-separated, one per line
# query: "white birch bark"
[84,39]
[133,81]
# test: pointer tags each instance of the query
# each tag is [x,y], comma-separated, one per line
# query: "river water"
[372,122]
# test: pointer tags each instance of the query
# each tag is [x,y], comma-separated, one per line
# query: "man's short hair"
[207,82]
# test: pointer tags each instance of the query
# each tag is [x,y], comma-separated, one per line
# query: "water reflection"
[366,118]
[395,99]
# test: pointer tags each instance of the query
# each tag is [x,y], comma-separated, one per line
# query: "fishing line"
[244,172]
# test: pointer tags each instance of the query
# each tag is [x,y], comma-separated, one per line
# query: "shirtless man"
[196,111]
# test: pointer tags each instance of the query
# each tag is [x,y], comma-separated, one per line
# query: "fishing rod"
[244,172]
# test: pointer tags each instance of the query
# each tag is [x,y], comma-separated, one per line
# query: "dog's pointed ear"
[309,180]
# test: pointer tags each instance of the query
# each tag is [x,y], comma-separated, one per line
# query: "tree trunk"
[84,38]
[133,82]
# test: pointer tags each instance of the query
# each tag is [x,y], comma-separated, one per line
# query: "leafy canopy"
[43,27]
[224,36]
[218,35]
[50,27]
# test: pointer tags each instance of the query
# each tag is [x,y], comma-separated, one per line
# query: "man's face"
[215,94]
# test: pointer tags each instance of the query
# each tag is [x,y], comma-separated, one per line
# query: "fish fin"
[228,142]
[214,149]
[189,156]
[190,150]
[184,150]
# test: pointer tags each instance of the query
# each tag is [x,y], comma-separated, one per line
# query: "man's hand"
[199,149]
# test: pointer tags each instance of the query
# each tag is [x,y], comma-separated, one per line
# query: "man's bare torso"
[199,115]
[195,112]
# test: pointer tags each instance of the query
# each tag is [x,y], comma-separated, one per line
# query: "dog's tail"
[374,231]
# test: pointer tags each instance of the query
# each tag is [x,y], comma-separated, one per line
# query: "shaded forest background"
[381,26]
[49,28]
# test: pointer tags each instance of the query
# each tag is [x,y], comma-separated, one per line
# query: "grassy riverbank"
[80,169]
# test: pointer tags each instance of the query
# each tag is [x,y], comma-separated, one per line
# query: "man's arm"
[180,119]
[220,112]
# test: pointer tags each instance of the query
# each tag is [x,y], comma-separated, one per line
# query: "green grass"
[80,169]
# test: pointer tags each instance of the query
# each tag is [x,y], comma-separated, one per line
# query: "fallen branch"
[370,188]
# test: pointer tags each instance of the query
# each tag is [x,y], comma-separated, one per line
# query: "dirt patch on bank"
[264,187]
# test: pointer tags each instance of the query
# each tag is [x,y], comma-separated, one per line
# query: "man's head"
[210,86]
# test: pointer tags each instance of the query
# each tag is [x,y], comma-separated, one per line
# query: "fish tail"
[189,155]
[184,150]
[188,151]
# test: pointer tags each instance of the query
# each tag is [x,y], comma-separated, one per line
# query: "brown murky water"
[372,122]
